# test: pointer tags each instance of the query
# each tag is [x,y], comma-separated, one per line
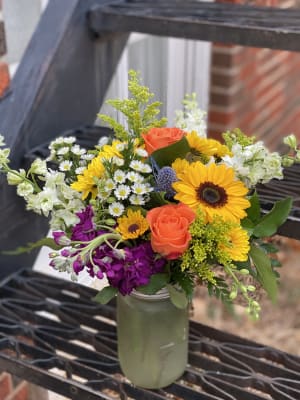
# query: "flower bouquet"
[157,210]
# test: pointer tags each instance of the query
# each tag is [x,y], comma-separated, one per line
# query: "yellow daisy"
[214,189]
[110,150]
[179,166]
[132,225]
[206,147]
[238,244]
[87,181]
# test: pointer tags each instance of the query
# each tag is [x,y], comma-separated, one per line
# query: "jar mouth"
[161,294]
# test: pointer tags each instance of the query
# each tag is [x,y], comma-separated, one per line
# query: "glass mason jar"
[152,339]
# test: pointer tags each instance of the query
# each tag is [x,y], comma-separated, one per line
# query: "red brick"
[5,385]
[21,392]
[4,77]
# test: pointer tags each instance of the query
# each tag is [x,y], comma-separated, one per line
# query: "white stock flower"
[38,167]
[69,140]
[2,143]
[24,189]
[4,153]
[16,177]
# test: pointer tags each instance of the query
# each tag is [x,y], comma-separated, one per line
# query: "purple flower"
[84,231]
[131,270]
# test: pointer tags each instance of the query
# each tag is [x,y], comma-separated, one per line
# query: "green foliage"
[105,295]
[167,155]
[157,282]
[141,115]
[177,296]
[184,279]
[269,224]
[265,273]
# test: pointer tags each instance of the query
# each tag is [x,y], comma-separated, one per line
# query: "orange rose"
[156,138]
[169,226]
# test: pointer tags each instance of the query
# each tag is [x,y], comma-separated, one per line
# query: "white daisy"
[139,188]
[88,156]
[119,176]
[135,177]
[120,146]
[69,140]
[137,200]
[109,185]
[116,209]
[79,170]
[77,150]
[63,150]
[122,192]
[117,161]
[65,165]
[141,152]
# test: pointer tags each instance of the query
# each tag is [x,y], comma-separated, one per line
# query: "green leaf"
[269,224]
[265,273]
[105,294]
[166,155]
[253,211]
[178,298]
[49,242]
[157,282]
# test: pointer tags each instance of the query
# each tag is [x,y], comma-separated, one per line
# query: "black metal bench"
[59,85]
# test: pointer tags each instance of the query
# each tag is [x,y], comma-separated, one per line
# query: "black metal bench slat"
[44,347]
[228,23]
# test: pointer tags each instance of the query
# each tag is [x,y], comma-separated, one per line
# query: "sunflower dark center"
[132,228]
[212,194]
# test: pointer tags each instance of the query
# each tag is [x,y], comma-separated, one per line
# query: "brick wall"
[4,71]
[257,90]
[12,388]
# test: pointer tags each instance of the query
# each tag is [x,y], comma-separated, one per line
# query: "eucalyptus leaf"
[105,294]
[269,224]
[157,282]
[265,273]
[49,242]
[166,155]
[178,298]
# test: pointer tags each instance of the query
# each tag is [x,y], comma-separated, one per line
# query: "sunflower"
[87,181]
[238,244]
[132,225]
[206,147]
[214,189]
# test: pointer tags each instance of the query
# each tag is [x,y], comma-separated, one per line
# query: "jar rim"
[161,294]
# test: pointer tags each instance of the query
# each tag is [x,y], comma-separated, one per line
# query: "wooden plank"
[216,22]
[59,84]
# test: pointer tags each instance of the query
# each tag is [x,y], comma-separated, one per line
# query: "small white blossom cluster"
[45,191]
[129,185]
[191,118]
[69,156]
[4,153]
[254,163]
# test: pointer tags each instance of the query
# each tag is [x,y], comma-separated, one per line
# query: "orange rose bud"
[169,227]
[156,138]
